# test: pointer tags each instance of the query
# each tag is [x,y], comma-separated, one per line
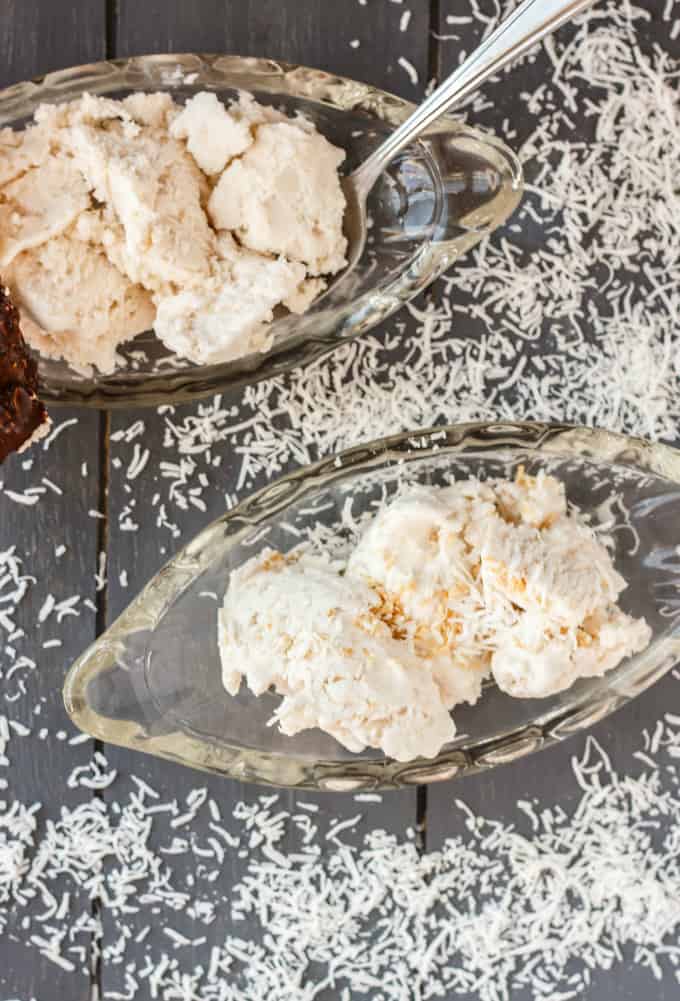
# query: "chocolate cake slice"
[23,418]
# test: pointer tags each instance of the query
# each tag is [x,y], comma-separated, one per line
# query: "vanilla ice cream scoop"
[213,135]
[563,570]
[283,196]
[536,658]
[299,627]
[228,314]
[39,205]
[416,551]
[77,304]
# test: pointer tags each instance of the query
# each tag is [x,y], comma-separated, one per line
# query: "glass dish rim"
[125,388]
[581,711]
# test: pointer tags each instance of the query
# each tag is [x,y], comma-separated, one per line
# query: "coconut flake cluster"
[118,216]
[448,586]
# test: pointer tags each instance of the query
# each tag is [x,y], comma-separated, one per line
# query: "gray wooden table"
[40,35]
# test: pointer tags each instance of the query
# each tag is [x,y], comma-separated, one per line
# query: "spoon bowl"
[524,26]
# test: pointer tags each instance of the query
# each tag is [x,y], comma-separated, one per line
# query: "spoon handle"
[523,28]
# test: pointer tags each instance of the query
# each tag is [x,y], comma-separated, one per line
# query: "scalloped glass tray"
[153,681]
[437,199]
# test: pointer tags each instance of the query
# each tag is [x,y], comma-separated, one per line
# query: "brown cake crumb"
[23,418]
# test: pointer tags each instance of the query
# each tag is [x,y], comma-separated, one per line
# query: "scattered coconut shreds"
[13,587]
[540,904]
[569,313]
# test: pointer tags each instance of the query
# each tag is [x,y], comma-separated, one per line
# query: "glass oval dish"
[437,199]
[153,681]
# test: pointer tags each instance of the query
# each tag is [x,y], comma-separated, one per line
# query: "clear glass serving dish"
[438,199]
[153,681]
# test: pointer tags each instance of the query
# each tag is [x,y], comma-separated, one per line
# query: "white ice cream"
[416,550]
[39,205]
[229,313]
[535,657]
[213,135]
[158,190]
[283,196]
[77,305]
[506,578]
[445,587]
[314,636]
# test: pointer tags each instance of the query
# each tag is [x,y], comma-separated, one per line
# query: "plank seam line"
[434,46]
[101,616]
[111,11]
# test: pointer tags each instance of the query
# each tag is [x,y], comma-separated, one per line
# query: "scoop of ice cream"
[606,638]
[283,196]
[229,314]
[416,551]
[416,546]
[536,658]
[155,190]
[40,204]
[300,627]
[534,500]
[564,570]
[75,303]
[213,135]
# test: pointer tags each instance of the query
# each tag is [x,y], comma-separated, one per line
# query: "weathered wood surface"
[317,34]
[40,35]
[35,38]
[546,776]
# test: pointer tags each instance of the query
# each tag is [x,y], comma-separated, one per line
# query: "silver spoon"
[530,22]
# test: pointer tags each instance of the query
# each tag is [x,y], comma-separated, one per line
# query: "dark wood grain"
[42,777]
[548,775]
[312,32]
[36,37]
[40,35]
[317,34]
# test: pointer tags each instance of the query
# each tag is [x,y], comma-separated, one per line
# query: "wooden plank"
[547,776]
[318,34]
[41,762]
[36,37]
[312,32]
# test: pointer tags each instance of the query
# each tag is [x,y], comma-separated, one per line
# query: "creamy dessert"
[201,220]
[446,587]
[325,643]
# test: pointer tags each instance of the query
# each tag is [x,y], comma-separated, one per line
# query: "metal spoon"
[530,22]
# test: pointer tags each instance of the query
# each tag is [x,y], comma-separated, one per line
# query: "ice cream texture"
[199,220]
[446,587]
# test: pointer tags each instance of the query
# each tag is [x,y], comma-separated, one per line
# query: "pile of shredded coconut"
[447,586]
[116,216]
[541,904]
